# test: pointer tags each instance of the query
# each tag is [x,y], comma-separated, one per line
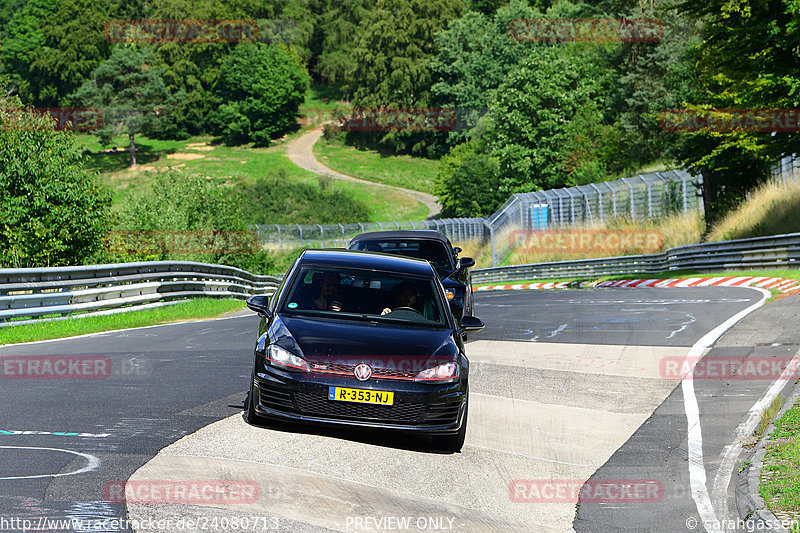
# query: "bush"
[189,218]
[186,218]
[467,182]
[274,199]
[262,88]
[54,211]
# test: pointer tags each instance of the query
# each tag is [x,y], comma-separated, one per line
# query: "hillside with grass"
[771,209]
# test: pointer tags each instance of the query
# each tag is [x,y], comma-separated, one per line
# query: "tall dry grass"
[676,230]
[772,209]
[479,250]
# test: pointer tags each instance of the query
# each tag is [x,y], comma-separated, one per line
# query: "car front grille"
[377,373]
[275,399]
[442,413]
[311,404]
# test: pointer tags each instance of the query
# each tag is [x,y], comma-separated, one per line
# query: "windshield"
[434,251]
[365,294]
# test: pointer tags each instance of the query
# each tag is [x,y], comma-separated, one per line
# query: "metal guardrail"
[32,293]
[28,294]
[743,254]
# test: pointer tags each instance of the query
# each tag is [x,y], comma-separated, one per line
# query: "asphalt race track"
[566,386]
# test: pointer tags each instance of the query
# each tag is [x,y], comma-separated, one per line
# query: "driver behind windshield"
[327,299]
[404,294]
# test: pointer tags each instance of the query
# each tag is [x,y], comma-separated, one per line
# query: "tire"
[454,443]
[253,417]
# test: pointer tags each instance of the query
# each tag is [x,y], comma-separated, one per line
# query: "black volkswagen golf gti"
[362,339]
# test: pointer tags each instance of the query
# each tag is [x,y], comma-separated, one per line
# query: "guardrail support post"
[649,197]
[491,240]
[632,199]
[685,197]
[599,200]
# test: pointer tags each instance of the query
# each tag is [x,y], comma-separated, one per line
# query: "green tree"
[262,88]
[467,178]
[747,60]
[129,93]
[51,47]
[194,68]
[338,23]
[534,136]
[475,54]
[653,76]
[392,54]
[54,211]
[186,218]
[7,10]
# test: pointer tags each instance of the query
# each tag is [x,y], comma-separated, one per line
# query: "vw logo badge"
[362,372]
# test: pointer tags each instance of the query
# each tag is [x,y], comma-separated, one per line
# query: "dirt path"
[301,152]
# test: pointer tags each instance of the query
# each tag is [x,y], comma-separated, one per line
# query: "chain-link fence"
[641,197]
[638,198]
[339,235]
[788,169]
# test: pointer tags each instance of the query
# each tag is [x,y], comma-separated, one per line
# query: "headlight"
[441,373]
[285,359]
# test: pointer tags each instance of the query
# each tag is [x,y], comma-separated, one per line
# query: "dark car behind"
[432,246]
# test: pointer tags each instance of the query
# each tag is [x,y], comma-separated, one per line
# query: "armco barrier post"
[491,240]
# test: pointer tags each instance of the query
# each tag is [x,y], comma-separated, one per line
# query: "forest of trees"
[535,114]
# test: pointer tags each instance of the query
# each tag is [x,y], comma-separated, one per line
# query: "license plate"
[360,396]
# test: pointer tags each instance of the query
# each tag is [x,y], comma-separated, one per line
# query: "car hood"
[318,339]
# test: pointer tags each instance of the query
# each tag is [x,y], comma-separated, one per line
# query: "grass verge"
[772,209]
[780,484]
[198,308]
[416,173]
[200,156]
[768,414]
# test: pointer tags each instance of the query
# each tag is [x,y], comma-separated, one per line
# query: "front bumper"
[303,397]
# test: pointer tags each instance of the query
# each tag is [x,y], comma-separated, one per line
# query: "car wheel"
[454,443]
[252,416]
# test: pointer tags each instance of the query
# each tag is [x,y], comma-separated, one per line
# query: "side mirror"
[466,262]
[471,323]
[259,304]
